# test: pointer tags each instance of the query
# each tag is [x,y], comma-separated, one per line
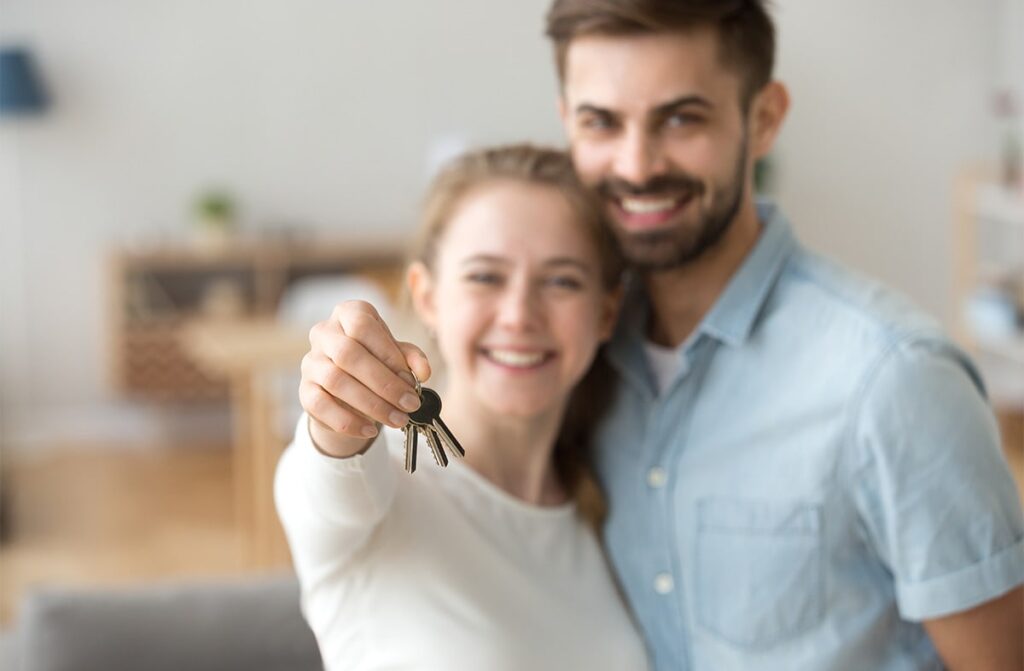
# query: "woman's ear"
[610,305]
[421,291]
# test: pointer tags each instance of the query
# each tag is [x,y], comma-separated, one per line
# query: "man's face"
[656,128]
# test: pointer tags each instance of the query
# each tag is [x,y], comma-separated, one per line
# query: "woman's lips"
[518,358]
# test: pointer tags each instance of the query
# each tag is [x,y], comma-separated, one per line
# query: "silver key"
[410,447]
[427,420]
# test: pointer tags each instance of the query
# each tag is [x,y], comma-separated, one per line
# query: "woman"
[492,563]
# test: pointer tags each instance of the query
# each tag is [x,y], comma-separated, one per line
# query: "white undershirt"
[442,570]
[665,364]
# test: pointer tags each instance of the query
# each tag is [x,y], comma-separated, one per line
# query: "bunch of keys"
[427,420]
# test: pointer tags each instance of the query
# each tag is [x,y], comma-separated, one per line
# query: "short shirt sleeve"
[932,485]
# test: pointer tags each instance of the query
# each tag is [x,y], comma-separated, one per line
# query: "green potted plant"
[214,218]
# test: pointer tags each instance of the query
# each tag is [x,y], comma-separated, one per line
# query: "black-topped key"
[429,410]
[427,419]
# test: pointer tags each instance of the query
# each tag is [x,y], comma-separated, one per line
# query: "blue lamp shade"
[21,91]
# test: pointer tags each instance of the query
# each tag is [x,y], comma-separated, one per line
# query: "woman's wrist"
[332,444]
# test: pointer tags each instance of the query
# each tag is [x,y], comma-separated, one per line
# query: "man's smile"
[642,214]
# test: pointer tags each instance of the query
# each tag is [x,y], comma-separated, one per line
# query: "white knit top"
[442,570]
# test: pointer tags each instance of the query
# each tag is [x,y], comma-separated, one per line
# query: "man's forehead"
[645,70]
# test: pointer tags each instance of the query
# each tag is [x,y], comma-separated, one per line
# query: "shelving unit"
[989,245]
[155,292]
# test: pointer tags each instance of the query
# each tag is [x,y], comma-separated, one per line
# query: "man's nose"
[638,157]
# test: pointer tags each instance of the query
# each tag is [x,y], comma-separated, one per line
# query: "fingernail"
[407,376]
[398,419]
[369,431]
[409,402]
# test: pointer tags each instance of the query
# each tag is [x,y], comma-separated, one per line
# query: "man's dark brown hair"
[746,35]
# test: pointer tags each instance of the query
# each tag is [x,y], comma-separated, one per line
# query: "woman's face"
[515,298]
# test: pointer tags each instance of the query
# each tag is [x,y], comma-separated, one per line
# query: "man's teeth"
[647,206]
[515,358]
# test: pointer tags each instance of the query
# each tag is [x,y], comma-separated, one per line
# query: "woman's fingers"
[332,413]
[361,346]
[416,360]
[349,386]
[361,322]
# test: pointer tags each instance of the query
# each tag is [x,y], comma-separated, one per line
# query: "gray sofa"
[252,624]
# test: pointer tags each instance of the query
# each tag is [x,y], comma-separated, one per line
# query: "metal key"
[427,420]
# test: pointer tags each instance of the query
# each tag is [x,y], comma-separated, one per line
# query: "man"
[803,471]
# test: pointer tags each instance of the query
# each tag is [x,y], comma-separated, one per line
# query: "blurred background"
[186,187]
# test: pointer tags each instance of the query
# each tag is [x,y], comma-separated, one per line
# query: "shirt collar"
[733,316]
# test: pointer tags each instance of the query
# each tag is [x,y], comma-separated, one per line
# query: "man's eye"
[679,120]
[597,122]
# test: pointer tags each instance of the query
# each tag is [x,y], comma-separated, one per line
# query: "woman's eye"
[565,282]
[483,278]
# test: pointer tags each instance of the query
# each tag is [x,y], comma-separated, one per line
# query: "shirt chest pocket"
[759,569]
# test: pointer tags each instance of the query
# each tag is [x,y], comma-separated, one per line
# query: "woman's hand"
[356,377]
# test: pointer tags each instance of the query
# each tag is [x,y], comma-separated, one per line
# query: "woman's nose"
[518,307]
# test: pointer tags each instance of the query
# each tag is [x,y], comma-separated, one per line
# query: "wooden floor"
[1011,425]
[89,517]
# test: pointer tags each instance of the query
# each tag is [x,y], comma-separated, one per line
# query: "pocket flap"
[769,516]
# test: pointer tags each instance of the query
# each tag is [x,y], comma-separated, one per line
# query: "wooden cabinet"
[155,292]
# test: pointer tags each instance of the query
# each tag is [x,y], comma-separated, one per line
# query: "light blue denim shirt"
[824,474]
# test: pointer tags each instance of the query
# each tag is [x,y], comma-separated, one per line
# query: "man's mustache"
[656,186]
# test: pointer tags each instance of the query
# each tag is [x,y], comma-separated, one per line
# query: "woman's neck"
[515,454]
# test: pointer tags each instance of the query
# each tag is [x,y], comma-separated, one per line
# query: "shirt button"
[657,477]
[663,583]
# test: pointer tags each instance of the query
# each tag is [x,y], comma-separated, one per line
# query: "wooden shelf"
[155,291]
[989,248]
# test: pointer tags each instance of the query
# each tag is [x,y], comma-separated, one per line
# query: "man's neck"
[681,297]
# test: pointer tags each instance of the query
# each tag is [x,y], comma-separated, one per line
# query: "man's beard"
[670,248]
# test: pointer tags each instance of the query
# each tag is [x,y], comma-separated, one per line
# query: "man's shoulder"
[824,298]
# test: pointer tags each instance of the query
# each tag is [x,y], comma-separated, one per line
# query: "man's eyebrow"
[593,109]
[691,100]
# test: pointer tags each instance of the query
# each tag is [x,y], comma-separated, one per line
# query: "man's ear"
[421,291]
[767,112]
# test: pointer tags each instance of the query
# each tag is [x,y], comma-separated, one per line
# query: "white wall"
[324,113]
[321,113]
[889,100]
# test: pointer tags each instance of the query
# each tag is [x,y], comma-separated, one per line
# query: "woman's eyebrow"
[569,261]
[484,258]
[558,261]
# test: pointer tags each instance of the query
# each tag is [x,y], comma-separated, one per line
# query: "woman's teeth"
[647,206]
[514,358]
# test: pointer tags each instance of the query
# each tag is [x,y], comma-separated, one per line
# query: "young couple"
[801,472]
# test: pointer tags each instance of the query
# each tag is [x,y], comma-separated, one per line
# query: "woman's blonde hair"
[544,167]
[520,162]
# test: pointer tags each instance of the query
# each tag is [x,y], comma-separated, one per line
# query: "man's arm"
[986,637]
[940,507]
